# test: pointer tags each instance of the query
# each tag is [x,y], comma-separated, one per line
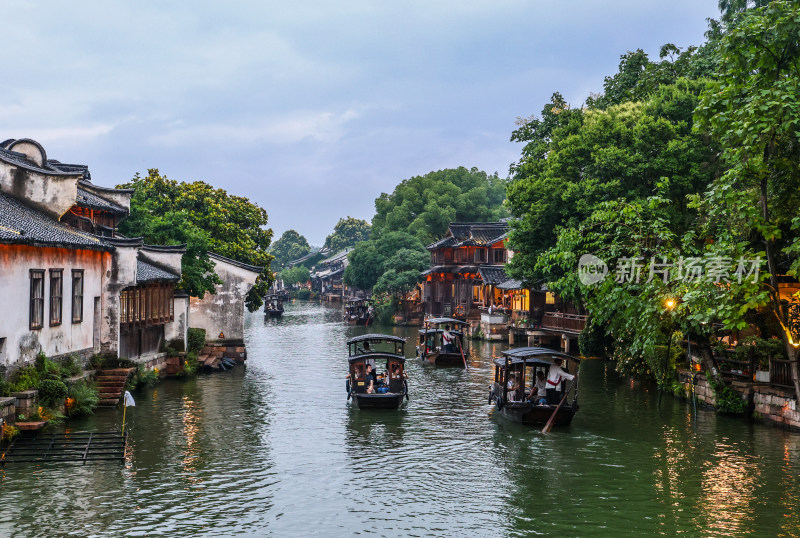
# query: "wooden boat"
[390,387]
[517,405]
[431,348]
[358,312]
[273,305]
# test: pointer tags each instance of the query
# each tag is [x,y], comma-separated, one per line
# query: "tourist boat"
[431,348]
[358,312]
[379,351]
[273,305]
[524,363]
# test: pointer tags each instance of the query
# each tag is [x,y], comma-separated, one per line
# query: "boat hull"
[534,415]
[444,360]
[274,313]
[389,400]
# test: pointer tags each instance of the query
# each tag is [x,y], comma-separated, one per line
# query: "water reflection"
[273,448]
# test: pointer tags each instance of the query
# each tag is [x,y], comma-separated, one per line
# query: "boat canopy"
[376,355]
[376,338]
[445,320]
[437,330]
[533,355]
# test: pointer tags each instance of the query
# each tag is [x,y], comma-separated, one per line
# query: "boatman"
[554,378]
[447,340]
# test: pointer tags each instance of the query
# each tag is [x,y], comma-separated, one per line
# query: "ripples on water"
[272,449]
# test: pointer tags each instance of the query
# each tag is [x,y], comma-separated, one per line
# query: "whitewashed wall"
[22,344]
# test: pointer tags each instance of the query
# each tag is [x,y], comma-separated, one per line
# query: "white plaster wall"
[22,344]
[178,328]
[223,312]
[168,260]
[120,273]
[53,195]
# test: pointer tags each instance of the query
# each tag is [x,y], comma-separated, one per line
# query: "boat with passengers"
[433,347]
[514,390]
[368,387]
[358,312]
[273,305]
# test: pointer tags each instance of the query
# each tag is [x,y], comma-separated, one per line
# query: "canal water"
[273,449]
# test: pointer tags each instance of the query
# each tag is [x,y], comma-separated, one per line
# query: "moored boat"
[368,388]
[433,347]
[514,391]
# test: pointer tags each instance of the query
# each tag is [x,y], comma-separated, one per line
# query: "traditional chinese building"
[327,276]
[69,285]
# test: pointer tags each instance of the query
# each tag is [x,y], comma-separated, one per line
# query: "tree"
[400,252]
[295,275]
[347,233]
[753,109]
[289,247]
[424,206]
[166,210]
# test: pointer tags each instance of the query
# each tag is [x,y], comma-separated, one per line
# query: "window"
[77,295]
[56,295]
[480,255]
[499,255]
[37,299]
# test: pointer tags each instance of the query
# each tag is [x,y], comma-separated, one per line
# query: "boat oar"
[552,419]
[462,352]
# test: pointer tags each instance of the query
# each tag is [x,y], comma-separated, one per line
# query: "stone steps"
[111,385]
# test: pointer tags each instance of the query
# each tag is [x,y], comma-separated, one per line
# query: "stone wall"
[776,406]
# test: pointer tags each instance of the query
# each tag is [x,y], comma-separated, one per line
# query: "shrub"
[196,339]
[728,400]
[82,399]
[190,365]
[46,367]
[52,392]
[9,432]
[71,366]
[5,388]
[25,378]
[142,378]
[302,294]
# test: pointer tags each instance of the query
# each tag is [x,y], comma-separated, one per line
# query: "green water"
[273,449]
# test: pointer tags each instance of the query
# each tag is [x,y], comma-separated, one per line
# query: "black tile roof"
[64,167]
[146,272]
[468,234]
[20,224]
[20,159]
[493,274]
[92,201]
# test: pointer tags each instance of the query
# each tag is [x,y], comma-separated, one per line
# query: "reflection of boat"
[358,312]
[521,366]
[432,348]
[372,390]
[273,305]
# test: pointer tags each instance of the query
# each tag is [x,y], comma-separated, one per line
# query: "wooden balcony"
[569,323]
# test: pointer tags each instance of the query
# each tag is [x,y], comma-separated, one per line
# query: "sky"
[309,109]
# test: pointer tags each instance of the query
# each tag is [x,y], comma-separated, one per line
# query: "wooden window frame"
[77,298]
[36,324]
[56,297]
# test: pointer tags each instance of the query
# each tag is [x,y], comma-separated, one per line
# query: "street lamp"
[669,306]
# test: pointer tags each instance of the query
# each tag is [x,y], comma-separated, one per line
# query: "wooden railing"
[563,322]
[780,373]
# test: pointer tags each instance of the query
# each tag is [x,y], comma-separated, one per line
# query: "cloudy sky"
[310,109]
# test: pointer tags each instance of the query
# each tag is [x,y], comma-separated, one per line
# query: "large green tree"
[290,246]
[424,206]
[400,253]
[753,110]
[346,234]
[206,218]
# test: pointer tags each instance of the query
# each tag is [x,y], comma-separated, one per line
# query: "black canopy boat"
[432,348]
[522,404]
[273,305]
[388,389]
[358,312]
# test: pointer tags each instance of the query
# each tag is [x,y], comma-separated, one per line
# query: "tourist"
[447,340]
[370,380]
[539,393]
[554,378]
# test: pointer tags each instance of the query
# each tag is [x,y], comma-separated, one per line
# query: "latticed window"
[37,299]
[77,295]
[56,295]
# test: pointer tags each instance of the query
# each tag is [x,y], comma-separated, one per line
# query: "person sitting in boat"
[447,340]
[513,387]
[539,394]
[365,348]
[554,378]
[371,380]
